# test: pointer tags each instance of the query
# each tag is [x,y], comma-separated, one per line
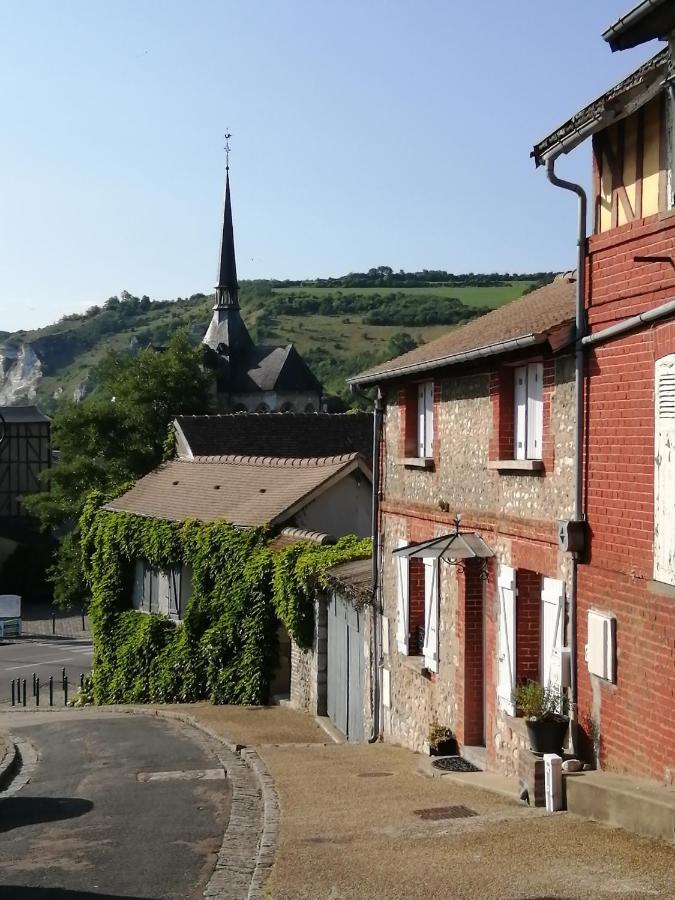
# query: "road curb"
[9,761]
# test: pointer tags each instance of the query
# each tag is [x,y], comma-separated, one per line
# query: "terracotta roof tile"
[538,314]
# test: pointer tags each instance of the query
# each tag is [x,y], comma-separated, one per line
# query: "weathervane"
[227,150]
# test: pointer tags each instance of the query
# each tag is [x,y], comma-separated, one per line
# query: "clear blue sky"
[365,132]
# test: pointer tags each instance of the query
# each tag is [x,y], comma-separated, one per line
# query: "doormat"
[454,764]
[436,813]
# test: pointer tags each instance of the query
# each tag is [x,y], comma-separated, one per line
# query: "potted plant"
[441,740]
[544,709]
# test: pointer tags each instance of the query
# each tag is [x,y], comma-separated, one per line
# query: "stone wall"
[308,667]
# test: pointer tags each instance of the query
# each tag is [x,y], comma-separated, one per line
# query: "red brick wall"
[416,598]
[632,723]
[471,619]
[528,625]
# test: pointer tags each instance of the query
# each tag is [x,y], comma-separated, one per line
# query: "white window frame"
[528,411]
[664,469]
[402,600]
[431,603]
[425,419]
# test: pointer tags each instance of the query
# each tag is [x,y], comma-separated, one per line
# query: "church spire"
[227,289]
[227,334]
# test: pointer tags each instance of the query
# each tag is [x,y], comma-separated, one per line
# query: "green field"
[490,297]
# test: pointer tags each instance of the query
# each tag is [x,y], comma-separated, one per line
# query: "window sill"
[535,466]
[418,462]
[662,588]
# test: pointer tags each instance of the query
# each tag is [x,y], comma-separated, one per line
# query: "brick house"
[478,423]
[626,581]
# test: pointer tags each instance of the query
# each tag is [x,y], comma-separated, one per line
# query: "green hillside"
[340,328]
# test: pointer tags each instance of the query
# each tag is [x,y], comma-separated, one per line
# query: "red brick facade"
[631,723]
[528,625]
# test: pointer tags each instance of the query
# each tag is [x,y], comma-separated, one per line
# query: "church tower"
[250,377]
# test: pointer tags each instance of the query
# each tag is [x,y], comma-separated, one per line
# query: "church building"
[251,377]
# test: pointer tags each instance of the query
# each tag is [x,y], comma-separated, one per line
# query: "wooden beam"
[639,161]
[617,184]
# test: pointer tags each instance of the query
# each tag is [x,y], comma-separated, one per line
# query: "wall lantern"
[455,549]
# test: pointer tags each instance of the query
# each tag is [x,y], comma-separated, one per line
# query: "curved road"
[116,807]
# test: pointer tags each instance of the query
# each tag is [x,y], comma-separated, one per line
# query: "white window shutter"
[535,409]
[137,590]
[519,412]
[429,419]
[174,592]
[148,594]
[403,603]
[421,420]
[506,587]
[664,470]
[552,628]
[163,592]
[430,649]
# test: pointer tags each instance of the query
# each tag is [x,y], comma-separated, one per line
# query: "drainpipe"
[578,514]
[376,661]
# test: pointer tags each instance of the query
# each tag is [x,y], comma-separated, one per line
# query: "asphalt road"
[117,807]
[20,658]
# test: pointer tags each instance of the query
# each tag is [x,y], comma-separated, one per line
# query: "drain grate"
[375,774]
[454,764]
[436,813]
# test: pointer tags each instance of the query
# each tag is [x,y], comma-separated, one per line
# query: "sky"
[364,133]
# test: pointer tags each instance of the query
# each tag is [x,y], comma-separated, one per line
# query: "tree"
[400,343]
[112,438]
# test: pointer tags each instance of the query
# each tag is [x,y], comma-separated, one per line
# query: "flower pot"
[444,748]
[547,736]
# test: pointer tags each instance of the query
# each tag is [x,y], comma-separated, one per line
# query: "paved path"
[36,621]
[20,658]
[107,812]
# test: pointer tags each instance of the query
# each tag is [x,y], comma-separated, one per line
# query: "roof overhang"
[622,100]
[647,21]
[517,343]
[454,546]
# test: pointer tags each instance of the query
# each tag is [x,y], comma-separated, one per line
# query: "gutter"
[619,28]
[526,340]
[645,318]
[377,661]
[578,514]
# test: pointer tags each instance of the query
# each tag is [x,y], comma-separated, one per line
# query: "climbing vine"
[224,649]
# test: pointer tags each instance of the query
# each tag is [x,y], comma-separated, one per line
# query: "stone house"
[625,640]
[477,426]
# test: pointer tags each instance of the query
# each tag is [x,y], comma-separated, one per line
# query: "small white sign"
[386,689]
[10,606]
[385,635]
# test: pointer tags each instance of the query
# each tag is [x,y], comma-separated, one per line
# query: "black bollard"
[24,692]
[34,677]
[13,704]
[65,690]
[53,623]
[63,675]
[83,625]
[37,692]
[81,681]
[51,690]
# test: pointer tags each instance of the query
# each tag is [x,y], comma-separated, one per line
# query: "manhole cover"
[454,764]
[374,774]
[436,813]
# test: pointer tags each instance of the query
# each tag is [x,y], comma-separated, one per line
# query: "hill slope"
[340,327]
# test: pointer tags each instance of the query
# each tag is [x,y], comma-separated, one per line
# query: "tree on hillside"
[112,438]
[401,342]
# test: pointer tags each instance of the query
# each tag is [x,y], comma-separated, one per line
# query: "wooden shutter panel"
[429,419]
[519,412]
[506,587]
[163,592]
[137,590]
[174,592]
[421,419]
[535,409]
[430,649]
[664,470]
[552,627]
[402,600]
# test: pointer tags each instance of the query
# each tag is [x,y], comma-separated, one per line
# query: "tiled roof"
[20,414]
[268,368]
[535,317]
[354,576]
[279,434]
[245,491]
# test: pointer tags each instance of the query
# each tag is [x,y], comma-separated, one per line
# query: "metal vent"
[667,395]
[437,813]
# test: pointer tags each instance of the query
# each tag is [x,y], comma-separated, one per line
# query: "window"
[425,420]
[417,613]
[156,591]
[528,410]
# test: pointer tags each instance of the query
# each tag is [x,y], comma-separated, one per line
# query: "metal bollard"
[84,627]
[51,690]
[24,692]
[81,681]
[37,692]
[63,675]
[34,677]
[13,704]
[53,623]
[65,690]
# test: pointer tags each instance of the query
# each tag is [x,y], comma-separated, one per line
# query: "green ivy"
[225,649]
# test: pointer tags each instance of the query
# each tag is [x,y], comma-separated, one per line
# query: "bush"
[543,704]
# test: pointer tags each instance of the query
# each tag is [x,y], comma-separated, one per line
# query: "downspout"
[578,514]
[376,662]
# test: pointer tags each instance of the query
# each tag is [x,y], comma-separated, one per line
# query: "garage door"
[344,666]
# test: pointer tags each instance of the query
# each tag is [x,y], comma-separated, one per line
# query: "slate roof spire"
[227,333]
[227,289]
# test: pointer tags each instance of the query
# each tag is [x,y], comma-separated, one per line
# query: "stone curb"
[9,761]
[247,852]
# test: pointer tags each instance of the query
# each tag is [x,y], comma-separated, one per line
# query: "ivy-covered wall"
[224,650]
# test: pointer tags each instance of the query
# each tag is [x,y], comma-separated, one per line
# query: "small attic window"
[216,487]
[174,483]
[263,490]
